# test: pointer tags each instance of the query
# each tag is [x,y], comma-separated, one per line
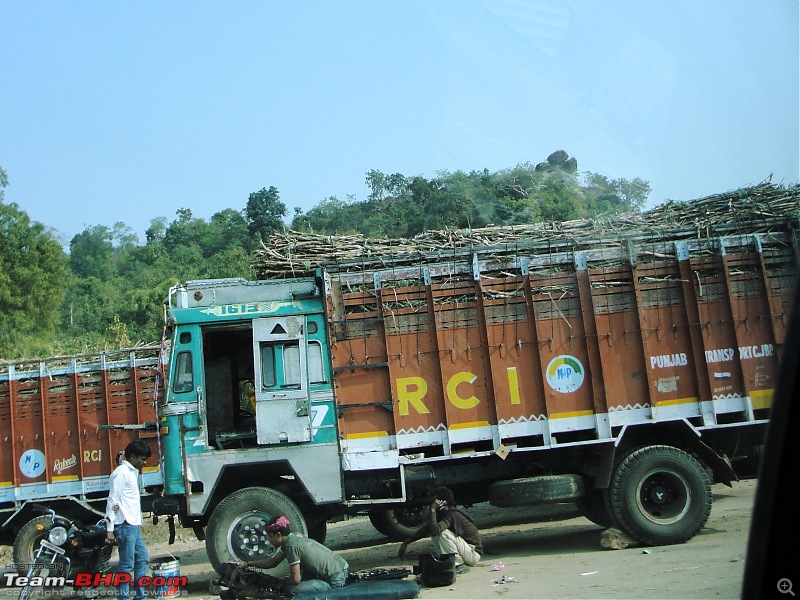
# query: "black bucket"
[437,572]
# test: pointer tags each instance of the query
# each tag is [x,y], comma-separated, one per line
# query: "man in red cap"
[312,566]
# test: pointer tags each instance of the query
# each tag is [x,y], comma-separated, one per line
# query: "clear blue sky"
[127,111]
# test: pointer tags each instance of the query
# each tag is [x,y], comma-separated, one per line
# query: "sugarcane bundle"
[753,209]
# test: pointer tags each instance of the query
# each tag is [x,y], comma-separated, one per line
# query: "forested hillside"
[106,290]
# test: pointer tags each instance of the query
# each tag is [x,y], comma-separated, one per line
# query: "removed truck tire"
[532,490]
[236,530]
[398,523]
[27,542]
[660,495]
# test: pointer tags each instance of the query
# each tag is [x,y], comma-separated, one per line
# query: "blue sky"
[128,111]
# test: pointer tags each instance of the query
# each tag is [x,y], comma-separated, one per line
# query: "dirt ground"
[546,558]
[550,552]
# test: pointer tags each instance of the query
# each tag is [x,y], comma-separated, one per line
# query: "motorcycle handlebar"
[40,508]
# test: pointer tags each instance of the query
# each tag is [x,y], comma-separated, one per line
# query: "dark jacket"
[460,524]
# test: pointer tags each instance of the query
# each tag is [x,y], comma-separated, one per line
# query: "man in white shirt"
[124,516]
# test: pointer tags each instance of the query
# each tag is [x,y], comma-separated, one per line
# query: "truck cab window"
[280,365]
[291,366]
[184,375]
[268,379]
[316,372]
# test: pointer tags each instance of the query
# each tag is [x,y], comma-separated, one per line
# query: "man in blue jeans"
[124,516]
[312,566]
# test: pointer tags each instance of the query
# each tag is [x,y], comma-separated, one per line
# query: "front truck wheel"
[660,495]
[398,523]
[236,529]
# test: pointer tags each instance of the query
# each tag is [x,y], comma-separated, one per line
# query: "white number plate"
[53,547]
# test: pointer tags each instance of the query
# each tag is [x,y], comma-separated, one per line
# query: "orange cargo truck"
[624,372]
[62,422]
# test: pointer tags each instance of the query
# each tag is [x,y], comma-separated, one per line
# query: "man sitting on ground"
[451,531]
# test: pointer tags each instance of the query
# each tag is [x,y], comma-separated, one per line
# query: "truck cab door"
[281,380]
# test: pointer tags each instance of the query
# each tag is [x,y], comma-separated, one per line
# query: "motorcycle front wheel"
[44,581]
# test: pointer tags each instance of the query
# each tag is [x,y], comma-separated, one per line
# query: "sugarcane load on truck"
[625,365]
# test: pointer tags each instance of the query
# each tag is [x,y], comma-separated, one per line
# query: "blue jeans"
[318,585]
[133,556]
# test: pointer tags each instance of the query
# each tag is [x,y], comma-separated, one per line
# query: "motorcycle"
[66,549]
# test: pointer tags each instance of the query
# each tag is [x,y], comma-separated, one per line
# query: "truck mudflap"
[719,464]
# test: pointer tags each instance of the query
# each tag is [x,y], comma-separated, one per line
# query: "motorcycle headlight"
[57,536]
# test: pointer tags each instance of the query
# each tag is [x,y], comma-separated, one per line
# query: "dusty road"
[541,557]
[552,559]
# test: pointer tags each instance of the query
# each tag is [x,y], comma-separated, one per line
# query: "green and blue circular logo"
[565,373]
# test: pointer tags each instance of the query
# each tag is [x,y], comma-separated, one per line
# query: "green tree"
[33,270]
[157,230]
[124,237]
[605,195]
[331,216]
[3,184]
[230,231]
[185,231]
[90,252]
[264,213]
[383,186]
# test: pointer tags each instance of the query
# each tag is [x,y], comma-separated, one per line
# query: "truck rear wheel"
[660,495]
[530,490]
[398,523]
[27,542]
[236,529]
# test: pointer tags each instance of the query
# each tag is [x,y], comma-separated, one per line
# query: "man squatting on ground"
[312,566]
[124,516]
[451,531]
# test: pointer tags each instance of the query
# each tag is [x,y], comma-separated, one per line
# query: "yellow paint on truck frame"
[575,413]
[366,434]
[468,425]
[676,401]
[761,398]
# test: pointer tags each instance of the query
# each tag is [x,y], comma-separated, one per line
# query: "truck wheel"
[660,495]
[530,490]
[236,529]
[398,523]
[27,542]
[594,507]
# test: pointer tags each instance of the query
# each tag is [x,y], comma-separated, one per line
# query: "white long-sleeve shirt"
[124,499]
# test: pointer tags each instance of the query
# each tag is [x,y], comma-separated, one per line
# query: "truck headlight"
[57,536]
